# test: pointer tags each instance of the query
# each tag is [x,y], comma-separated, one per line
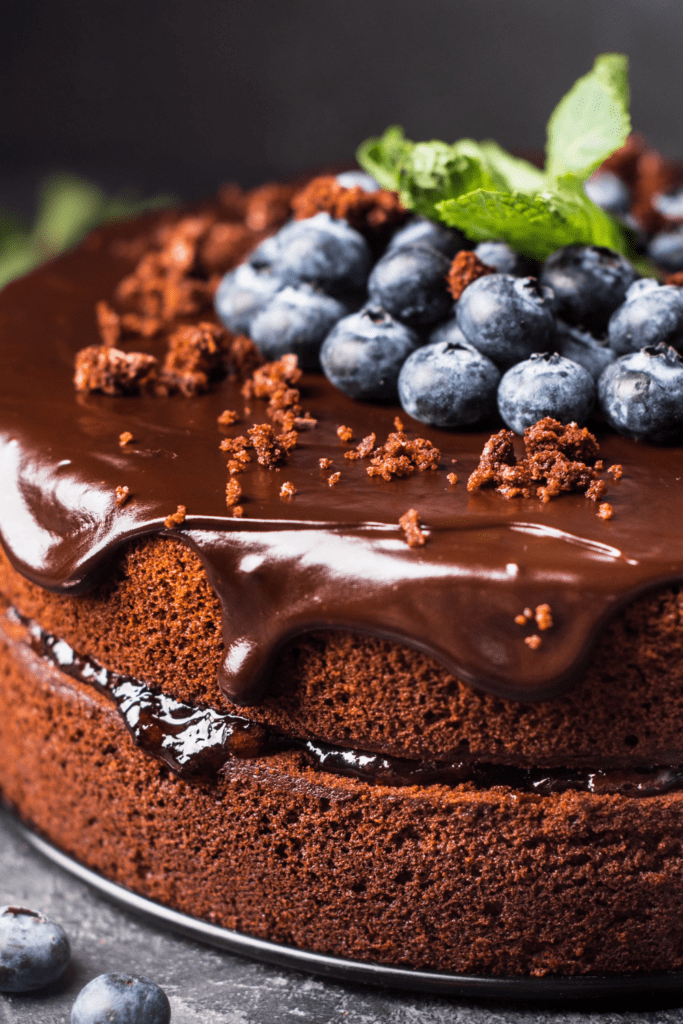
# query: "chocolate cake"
[310,670]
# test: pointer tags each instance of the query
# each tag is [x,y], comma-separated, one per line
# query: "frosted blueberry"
[506,318]
[448,384]
[321,251]
[410,283]
[648,317]
[641,394]
[666,249]
[582,348]
[358,179]
[504,259]
[33,950]
[669,204]
[121,999]
[547,384]
[448,331]
[420,229]
[608,192]
[296,320]
[242,294]
[643,284]
[364,353]
[589,283]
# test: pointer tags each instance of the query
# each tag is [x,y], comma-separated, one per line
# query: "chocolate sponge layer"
[451,879]
[157,618]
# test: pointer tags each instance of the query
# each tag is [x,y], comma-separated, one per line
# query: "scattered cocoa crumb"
[605,510]
[108,323]
[528,614]
[399,456]
[557,460]
[617,470]
[233,492]
[193,359]
[241,359]
[122,495]
[226,245]
[452,478]
[409,523]
[236,447]
[543,616]
[398,423]
[238,511]
[465,268]
[274,381]
[345,433]
[599,466]
[288,490]
[334,478]
[371,213]
[363,449]
[228,417]
[534,641]
[675,279]
[125,438]
[596,489]
[113,372]
[325,463]
[176,518]
[268,206]
[271,448]
[520,620]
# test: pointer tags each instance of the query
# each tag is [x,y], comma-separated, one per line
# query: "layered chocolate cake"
[312,670]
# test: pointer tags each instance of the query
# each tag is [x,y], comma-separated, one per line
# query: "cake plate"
[544,989]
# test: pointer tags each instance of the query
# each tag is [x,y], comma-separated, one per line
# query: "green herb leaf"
[591,121]
[383,157]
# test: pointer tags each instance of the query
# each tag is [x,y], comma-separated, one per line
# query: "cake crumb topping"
[371,213]
[410,524]
[176,518]
[122,495]
[108,323]
[605,511]
[228,417]
[521,620]
[233,492]
[238,511]
[534,641]
[125,438]
[193,358]
[334,479]
[362,450]
[452,479]
[617,470]
[325,463]
[113,372]
[345,433]
[465,269]
[275,381]
[288,490]
[398,423]
[543,616]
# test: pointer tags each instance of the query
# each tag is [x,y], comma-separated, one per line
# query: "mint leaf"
[517,175]
[535,225]
[433,171]
[591,121]
[383,157]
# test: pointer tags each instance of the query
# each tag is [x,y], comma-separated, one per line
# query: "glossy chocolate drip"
[329,557]
[197,742]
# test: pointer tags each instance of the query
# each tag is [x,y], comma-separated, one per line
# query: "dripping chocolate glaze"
[197,742]
[329,557]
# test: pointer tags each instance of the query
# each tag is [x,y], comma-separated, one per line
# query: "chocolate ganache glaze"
[328,557]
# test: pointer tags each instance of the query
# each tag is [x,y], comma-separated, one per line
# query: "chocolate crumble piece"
[271,448]
[268,206]
[193,359]
[399,456]
[275,381]
[596,489]
[452,479]
[122,495]
[558,460]
[238,511]
[236,447]
[398,424]
[113,372]
[241,358]
[410,524]
[345,433]
[125,438]
[605,510]
[465,268]
[363,450]
[528,614]
[617,470]
[228,417]
[543,616]
[521,620]
[108,323]
[288,490]
[534,641]
[371,213]
[325,463]
[176,518]
[334,479]
[233,492]
[675,279]
[226,245]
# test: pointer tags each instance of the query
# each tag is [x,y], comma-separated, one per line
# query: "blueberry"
[643,284]
[609,192]
[410,283]
[582,348]
[666,249]
[318,250]
[504,259]
[242,294]
[641,394]
[448,331]
[669,204]
[296,320]
[121,999]
[589,283]
[547,384]
[358,179]
[33,950]
[420,229]
[506,318]
[363,354]
[648,317]
[447,384]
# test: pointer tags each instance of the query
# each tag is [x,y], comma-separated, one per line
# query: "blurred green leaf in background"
[68,208]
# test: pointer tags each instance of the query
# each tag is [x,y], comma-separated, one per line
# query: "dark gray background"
[180,94]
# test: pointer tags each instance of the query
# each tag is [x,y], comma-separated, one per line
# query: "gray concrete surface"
[210,987]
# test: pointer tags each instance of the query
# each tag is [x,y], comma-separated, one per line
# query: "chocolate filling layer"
[196,742]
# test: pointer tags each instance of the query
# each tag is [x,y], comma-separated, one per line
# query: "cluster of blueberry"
[584,331]
[35,952]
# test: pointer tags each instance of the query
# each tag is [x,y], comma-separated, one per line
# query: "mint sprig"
[488,193]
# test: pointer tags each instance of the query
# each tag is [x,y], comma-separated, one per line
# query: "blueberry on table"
[547,384]
[321,251]
[364,352]
[641,394]
[589,282]
[242,294]
[296,320]
[504,259]
[506,317]
[648,317]
[33,950]
[592,353]
[422,230]
[666,249]
[608,192]
[410,283]
[121,999]
[448,384]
